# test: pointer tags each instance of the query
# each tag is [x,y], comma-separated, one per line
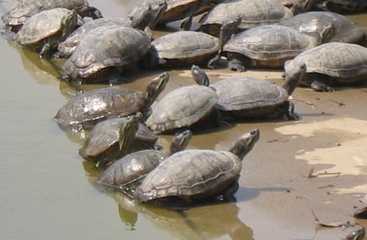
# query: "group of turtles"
[318,49]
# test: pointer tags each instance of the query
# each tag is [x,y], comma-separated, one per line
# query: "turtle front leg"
[186,23]
[46,50]
[236,65]
[321,86]
[214,62]
[229,194]
[290,114]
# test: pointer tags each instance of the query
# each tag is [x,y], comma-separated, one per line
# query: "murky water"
[47,192]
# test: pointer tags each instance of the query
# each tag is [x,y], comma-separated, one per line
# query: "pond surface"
[48,193]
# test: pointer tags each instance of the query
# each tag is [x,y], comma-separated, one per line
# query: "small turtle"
[247,98]
[195,174]
[251,12]
[126,173]
[43,31]
[312,23]
[265,46]
[104,50]
[142,16]
[344,6]
[24,9]
[85,110]
[331,64]
[183,48]
[183,106]
[107,139]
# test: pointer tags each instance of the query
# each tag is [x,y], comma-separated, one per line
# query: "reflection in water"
[204,222]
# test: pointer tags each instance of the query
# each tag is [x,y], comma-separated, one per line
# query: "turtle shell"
[344,30]
[85,110]
[269,43]
[186,47]
[244,94]
[67,47]
[251,12]
[105,48]
[27,8]
[347,6]
[131,168]
[191,173]
[182,107]
[104,139]
[345,62]
[57,23]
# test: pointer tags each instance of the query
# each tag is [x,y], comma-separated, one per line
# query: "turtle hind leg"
[229,193]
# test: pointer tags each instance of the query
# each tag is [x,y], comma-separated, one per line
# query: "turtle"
[141,17]
[197,174]
[106,141]
[251,12]
[183,106]
[126,173]
[183,48]
[331,64]
[85,110]
[343,29]
[105,50]
[24,9]
[249,98]
[265,46]
[43,31]
[344,6]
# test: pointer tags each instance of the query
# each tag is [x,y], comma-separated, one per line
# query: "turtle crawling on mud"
[85,110]
[143,16]
[198,174]
[331,64]
[43,31]
[16,17]
[126,173]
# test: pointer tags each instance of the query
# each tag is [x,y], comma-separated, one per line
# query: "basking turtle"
[24,9]
[183,48]
[143,16]
[183,106]
[105,50]
[313,23]
[344,6]
[265,46]
[43,31]
[85,110]
[126,173]
[195,174]
[247,98]
[251,12]
[107,140]
[331,64]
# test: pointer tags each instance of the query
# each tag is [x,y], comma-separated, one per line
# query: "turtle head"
[200,76]
[180,141]
[293,75]
[227,30]
[245,144]
[92,12]
[147,15]
[127,133]
[155,87]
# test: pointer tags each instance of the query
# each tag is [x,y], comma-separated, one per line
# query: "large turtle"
[246,98]
[313,23]
[144,15]
[24,9]
[183,48]
[126,173]
[265,46]
[85,110]
[183,106]
[195,174]
[331,64]
[43,31]
[251,12]
[345,6]
[107,140]
[104,50]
